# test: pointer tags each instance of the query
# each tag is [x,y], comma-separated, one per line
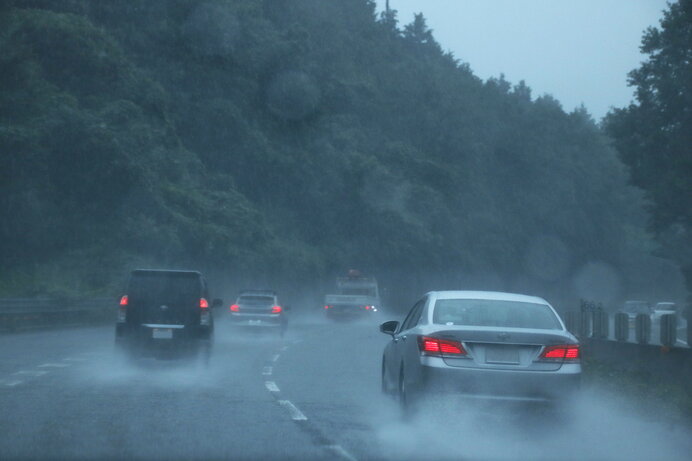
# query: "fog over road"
[314,394]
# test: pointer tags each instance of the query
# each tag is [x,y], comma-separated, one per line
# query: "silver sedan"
[486,345]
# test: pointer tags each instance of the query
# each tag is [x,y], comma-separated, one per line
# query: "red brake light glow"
[562,351]
[327,306]
[276,309]
[235,308]
[203,303]
[439,347]
[123,301]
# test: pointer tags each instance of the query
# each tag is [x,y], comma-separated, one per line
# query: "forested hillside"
[290,140]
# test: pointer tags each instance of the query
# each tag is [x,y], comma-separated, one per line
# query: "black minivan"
[166,313]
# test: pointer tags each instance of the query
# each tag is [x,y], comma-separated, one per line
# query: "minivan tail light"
[122,310]
[276,310]
[440,347]
[566,352]
[235,308]
[203,303]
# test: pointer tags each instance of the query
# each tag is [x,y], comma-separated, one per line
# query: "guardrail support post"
[622,326]
[643,328]
[669,330]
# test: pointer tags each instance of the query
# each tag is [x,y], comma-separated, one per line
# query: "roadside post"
[622,327]
[600,323]
[669,330]
[643,328]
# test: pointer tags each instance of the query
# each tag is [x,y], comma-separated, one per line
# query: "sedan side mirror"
[389,327]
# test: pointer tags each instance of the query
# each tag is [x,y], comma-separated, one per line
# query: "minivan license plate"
[162,333]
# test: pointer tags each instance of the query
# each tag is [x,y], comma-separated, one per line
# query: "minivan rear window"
[494,313]
[164,286]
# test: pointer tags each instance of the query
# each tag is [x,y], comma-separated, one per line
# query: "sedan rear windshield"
[493,313]
[249,299]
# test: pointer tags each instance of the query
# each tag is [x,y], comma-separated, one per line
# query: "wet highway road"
[313,394]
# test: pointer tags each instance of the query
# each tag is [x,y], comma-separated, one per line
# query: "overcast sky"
[579,51]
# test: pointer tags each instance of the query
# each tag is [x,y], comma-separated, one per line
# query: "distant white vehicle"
[661,309]
[357,296]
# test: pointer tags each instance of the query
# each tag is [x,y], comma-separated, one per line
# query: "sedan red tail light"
[566,352]
[276,310]
[235,308]
[203,303]
[439,347]
[124,301]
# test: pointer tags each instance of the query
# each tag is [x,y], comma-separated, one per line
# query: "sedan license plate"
[505,355]
[162,333]
[255,322]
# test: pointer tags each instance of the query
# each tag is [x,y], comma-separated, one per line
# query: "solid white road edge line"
[10,382]
[271,386]
[54,365]
[275,357]
[296,414]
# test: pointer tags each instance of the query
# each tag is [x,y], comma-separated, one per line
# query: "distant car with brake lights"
[481,345]
[259,308]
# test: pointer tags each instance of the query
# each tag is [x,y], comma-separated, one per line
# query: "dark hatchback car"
[259,308]
[165,313]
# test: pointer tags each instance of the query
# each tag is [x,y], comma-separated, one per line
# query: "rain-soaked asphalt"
[314,394]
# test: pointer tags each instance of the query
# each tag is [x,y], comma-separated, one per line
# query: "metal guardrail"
[27,313]
[668,330]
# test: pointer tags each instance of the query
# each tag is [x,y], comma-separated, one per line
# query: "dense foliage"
[654,134]
[290,140]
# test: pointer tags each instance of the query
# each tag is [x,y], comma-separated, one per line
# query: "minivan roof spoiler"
[167,270]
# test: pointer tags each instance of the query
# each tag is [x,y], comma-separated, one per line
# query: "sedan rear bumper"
[492,384]
[258,320]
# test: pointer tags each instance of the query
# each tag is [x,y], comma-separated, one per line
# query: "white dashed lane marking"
[339,451]
[296,414]
[74,359]
[34,373]
[54,365]
[10,382]
[271,386]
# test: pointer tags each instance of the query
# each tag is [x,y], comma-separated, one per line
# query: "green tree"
[654,134]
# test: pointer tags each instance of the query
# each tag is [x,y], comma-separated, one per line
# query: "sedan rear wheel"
[406,401]
[385,388]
